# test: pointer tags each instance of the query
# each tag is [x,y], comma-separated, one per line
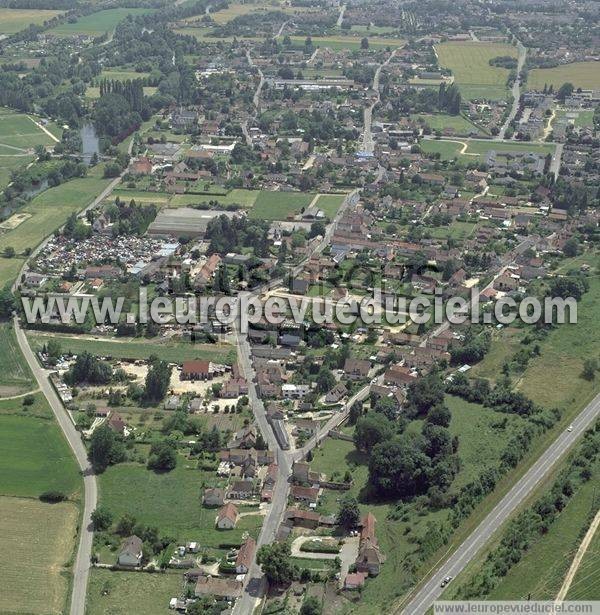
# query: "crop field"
[450,149]
[279,205]
[581,74]
[98,23]
[469,63]
[133,349]
[170,501]
[35,458]
[15,375]
[50,210]
[14,20]
[36,540]
[121,592]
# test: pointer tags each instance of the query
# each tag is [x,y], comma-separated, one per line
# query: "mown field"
[449,149]
[469,63]
[586,583]
[35,458]
[330,203]
[279,205]
[443,121]
[14,20]
[36,540]
[50,210]
[15,375]
[170,501]
[581,74]
[124,593]
[98,23]
[133,349]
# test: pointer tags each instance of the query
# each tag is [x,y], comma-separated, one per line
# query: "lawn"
[170,501]
[449,149]
[237,196]
[581,74]
[98,23]
[124,348]
[50,210]
[18,133]
[36,541]
[280,205]
[441,121]
[341,42]
[35,458]
[14,20]
[455,230]
[469,63]
[505,343]
[122,593]
[15,376]
[330,203]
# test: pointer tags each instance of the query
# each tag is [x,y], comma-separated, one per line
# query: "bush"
[52,497]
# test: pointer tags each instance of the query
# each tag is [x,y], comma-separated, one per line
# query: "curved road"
[431,591]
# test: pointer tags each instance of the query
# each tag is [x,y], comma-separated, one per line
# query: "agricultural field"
[470,148]
[35,458]
[49,211]
[122,593]
[581,74]
[36,540]
[15,375]
[171,501]
[279,205]
[330,203]
[15,20]
[469,63]
[98,23]
[587,578]
[124,348]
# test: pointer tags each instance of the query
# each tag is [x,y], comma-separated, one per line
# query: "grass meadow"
[279,205]
[15,375]
[586,584]
[15,20]
[581,74]
[449,149]
[98,23]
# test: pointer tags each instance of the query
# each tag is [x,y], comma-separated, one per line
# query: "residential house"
[227,517]
[131,552]
[307,495]
[369,558]
[245,556]
[338,392]
[222,588]
[357,369]
[196,370]
[213,497]
[241,490]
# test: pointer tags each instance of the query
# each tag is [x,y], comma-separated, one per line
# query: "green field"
[469,63]
[237,196]
[442,121]
[36,544]
[339,42]
[170,501]
[35,458]
[123,593]
[279,205]
[14,20]
[581,74]
[455,230]
[98,23]
[124,348]
[330,203]
[122,75]
[19,133]
[449,149]
[15,375]
[50,210]
[586,583]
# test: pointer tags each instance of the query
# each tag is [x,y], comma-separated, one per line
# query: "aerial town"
[321,161]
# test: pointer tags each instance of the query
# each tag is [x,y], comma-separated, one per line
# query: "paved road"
[367,144]
[431,591]
[340,18]
[81,566]
[82,560]
[516,92]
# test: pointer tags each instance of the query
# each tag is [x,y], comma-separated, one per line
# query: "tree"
[88,368]
[566,89]
[364,43]
[355,413]
[325,380]
[571,247]
[163,456]
[105,449]
[316,228]
[157,380]
[438,442]
[101,519]
[386,406]
[7,302]
[439,415]
[348,514]
[590,367]
[125,525]
[371,430]
[9,252]
[311,606]
[275,562]
[424,394]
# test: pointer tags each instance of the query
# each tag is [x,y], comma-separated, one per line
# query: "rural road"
[516,92]
[81,566]
[455,564]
